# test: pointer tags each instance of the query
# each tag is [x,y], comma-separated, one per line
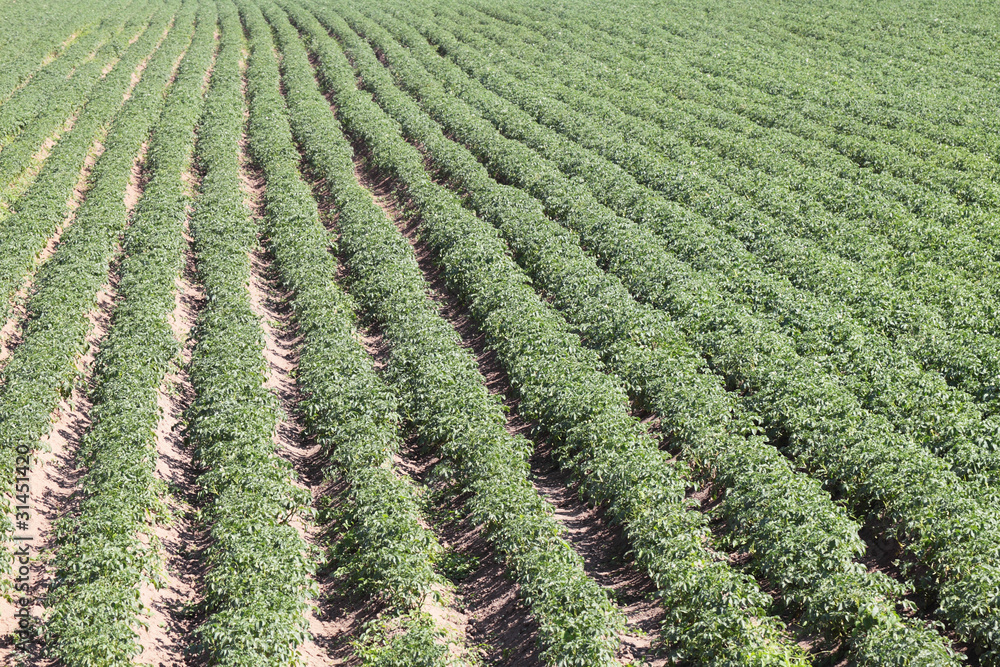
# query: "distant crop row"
[797,283]
[43,367]
[107,550]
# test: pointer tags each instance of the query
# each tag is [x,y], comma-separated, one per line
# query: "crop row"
[383,547]
[43,367]
[443,395]
[938,95]
[770,80]
[31,99]
[53,28]
[759,102]
[38,213]
[723,134]
[257,571]
[903,98]
[106,549]
[917,401]
[963,302]
[63,98]
[933,513]
[882,377]
[907,84]
[800,521]
[584,411]
[941,418]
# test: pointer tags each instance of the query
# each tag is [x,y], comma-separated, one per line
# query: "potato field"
[414,333]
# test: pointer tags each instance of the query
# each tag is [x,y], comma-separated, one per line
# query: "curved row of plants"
[795,195]
[42,369]
[931,511]
[774,84]
[584,411]
[256,581]
[759,100]
[906,84]
[810,173]
[106,549]
[63,98]
[903,68]
[805,544]
[883,377]
[31,99]
[38,213]
[53,28]
[918,402]
[381,542]
[444,397]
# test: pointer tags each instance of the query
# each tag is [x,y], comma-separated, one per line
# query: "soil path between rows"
[602,547]
[55,472]
[166,638]
[281,353]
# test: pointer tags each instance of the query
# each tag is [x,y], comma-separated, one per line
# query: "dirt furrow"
[169,626]
[46,60]
[141,67]
[10,333]
[20,184]
[52,479]
[495,621]
[281,353]
[603,548]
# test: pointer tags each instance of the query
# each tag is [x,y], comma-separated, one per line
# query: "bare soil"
[281,343]
[53,479]
[141,67]
[10,332]
[16,188]
[281,352]
[602,547]
[56,470]
[167,633]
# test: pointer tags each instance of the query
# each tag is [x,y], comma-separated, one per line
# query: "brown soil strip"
[53,478]
[137,181]
[281,353]
[602,546]
[55,470]
[883,553]
[10,333]
[343,612]
[451,611]
[281,344]
[605,553]
[141,67]
[164,640]
[484,612]
[47,60]
[53,54]
[110,65]
[19,185]
[207,79]
[497,622]
[169,626]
